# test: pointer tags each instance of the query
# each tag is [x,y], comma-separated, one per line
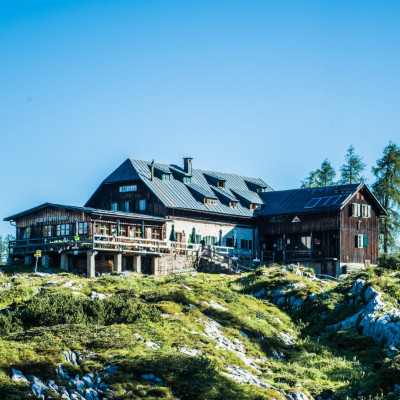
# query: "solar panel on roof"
[312,203]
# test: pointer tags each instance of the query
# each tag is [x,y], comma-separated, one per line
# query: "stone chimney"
[187,165]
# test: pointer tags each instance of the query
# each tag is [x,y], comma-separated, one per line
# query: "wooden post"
[312,246]
[284,248]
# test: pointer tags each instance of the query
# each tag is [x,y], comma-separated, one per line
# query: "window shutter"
[361,210]
[356,237]
[365,241]
[354,210]
[369,211]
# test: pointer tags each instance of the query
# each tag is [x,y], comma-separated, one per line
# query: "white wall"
[209,229]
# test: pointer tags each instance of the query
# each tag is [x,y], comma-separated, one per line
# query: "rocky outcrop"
[90,387]
[378,319]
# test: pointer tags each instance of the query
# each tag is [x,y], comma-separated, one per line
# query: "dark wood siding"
[349,229]
[311,222]
[109,193]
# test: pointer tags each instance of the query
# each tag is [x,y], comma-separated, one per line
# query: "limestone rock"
[241,375]
[109,370]
[18,376]
[71,357]
[38,387]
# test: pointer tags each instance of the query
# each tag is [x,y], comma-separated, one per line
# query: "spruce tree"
[326,174]
[387,191]
[353,168]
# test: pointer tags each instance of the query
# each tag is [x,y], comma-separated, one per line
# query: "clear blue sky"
[263,88]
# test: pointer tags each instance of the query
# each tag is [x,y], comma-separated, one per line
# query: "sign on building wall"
[56,218]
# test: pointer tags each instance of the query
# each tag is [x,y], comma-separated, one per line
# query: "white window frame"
[360,241]
[356,209]
[128,188]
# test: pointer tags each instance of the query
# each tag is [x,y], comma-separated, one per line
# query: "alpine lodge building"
[159,218]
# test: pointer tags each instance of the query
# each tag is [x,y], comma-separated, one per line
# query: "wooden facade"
[332,241]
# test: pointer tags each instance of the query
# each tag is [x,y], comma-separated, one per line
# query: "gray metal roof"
[310,199]
[176,194]
[88,210]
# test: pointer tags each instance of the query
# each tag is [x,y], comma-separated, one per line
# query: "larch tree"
[387,191]
[321,177]
[352,170]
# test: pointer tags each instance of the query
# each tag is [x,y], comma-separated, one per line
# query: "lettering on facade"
[57,218]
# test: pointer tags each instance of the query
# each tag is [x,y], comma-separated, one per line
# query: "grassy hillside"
[196,336]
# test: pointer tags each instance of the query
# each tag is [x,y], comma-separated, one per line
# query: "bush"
[389,261]
[50,309]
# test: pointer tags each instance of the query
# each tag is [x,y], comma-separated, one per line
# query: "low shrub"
[389,261]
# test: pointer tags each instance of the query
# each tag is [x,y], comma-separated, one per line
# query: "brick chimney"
[187,165]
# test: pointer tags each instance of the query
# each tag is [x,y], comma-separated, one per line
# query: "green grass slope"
[199,334]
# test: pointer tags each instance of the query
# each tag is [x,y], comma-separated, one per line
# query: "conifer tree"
[387,191]
[326,174]
[321,177]
[352,170]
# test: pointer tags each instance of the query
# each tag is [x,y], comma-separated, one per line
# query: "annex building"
[152,217]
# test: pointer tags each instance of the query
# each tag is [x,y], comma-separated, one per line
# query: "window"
[104,229]
[82,228]
[209,201]
[46,231]
[279,244]
[229,242]
[166,177]
[254,206]
[233,204]
[221,184]
[156,234]
[142,205]
[245,244]
[114,206]
[362,241]
[122,230]
[187,180]
[356,210]
[127,206]
[27,233]
[366,211]
[262,189]
[138,232]
[63,230]
[129,188]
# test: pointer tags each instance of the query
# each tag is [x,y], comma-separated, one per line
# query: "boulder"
[71,357]
[18,376]
[109,370]
[91,394]
[38,387]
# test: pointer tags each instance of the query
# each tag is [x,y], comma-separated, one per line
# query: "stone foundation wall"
[169,263]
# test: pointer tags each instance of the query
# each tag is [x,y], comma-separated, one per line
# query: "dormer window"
[262,189]
[254,206]
[187,180]
[166,177]
[209,201]
[233,204]
[221,183]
